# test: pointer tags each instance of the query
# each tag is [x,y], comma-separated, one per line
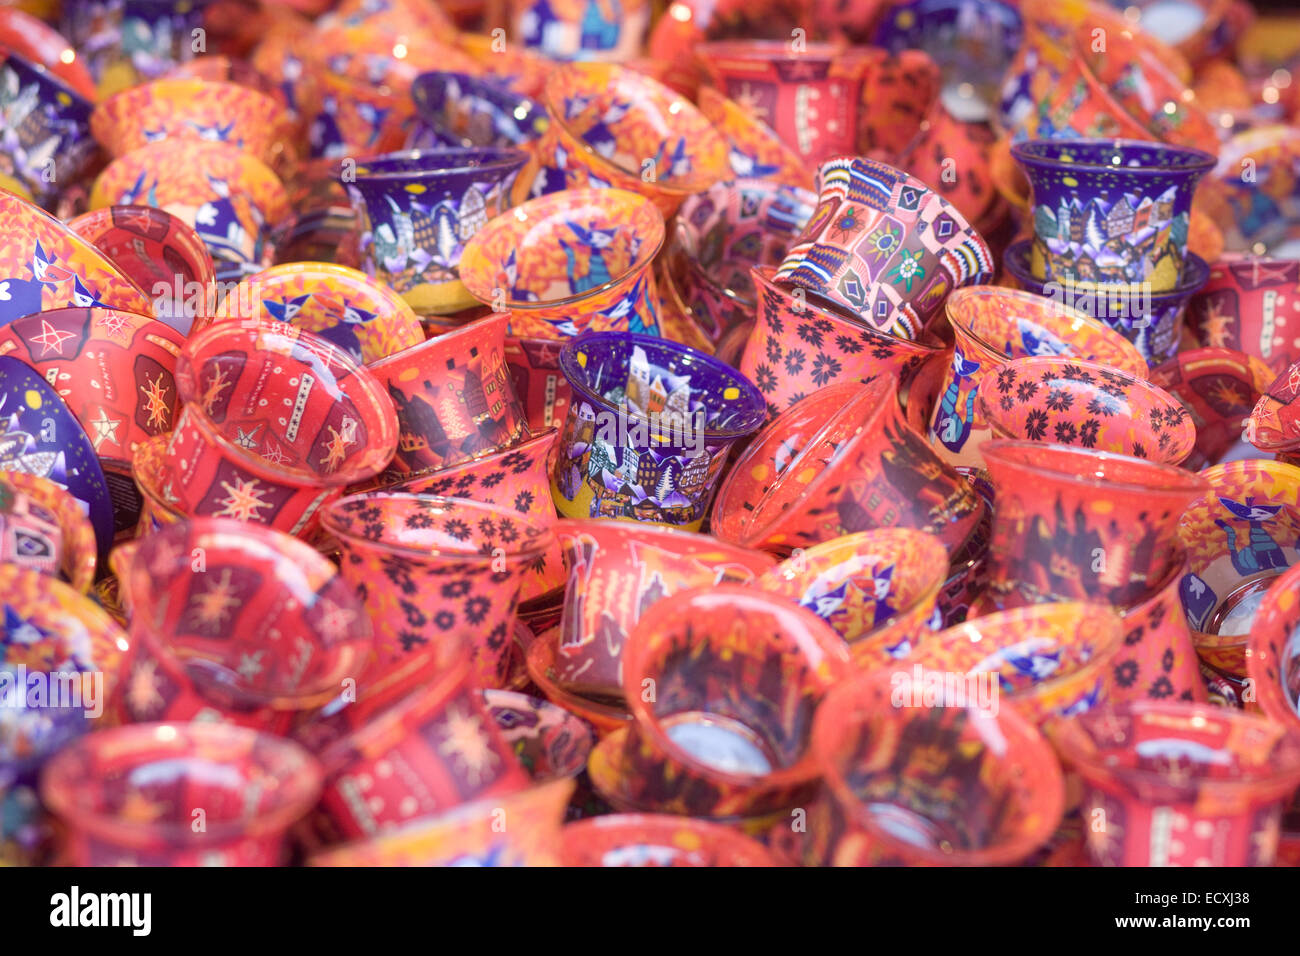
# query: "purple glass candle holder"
[475,110]
[1111,211]
[421,208]
[1152,321]
[648,430]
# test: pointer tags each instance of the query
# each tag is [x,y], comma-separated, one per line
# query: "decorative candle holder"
[613,127]
[42,438]
[885,246]
[421,208]
[115,371]
[1070,402]
[1073,524]
[343,306]
[454,397]
[719,236]
[1111,212]
[886,766]
[1241,536]
[649,428]
[47,129]
[44,529]
[1218,387]
[159,253]
[992,326]
[1151,320]
[128,796]
[877,588]
[734,677]
[275,423]
[1220,778]
[602,282]
[437,574]
[798,346]
[45,265]
[617,571]
[476,111]
[211,602]
[842,460]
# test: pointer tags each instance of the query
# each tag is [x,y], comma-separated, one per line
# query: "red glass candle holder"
[238,621]
[842,460]
[132,795]
[1174,784]
[644,839]
[275,422]
[940,784]
[1073,524]
[618,571]
[722,683]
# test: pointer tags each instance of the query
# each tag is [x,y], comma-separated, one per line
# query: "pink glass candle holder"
[235,621]
[1179,784]
[437,575]
[131,795]
[941,782]
[722,684]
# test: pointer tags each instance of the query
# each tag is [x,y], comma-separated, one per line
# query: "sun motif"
[142,691]
[336,448]
[1216,327]
[243,500]
[214,605]
[466,744]
[156,406]
[216,385]
[335,622]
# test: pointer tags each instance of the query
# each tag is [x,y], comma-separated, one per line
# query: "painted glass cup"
[437,574]
[877,588]
[1273,656]
[649,429]
[1151,320]
[651,839]
[799,345]
[367,320]
[1181,784]
[991,326]
[885,766]
[1111,211]
[1241,537]
[159,252]
[884,245]
[1239,308]
[613,127]
[421,208]
[577,260]
[275,421]
[454,396]
[47,139]
[809,94]
[1073,524]
[736,675]
[128,796]
[476,110]
[617,571]
[1070,402]
[718,236]
[842,460]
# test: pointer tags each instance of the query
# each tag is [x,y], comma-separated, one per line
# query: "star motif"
[337,447]
[142,690]
[114,323]
[250,665]
[466,744]
[52,339]
[335,622]
[105,429]
[243,500]
[247,439]
[274,455]
[214,605]
[156,406]
[216,385]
